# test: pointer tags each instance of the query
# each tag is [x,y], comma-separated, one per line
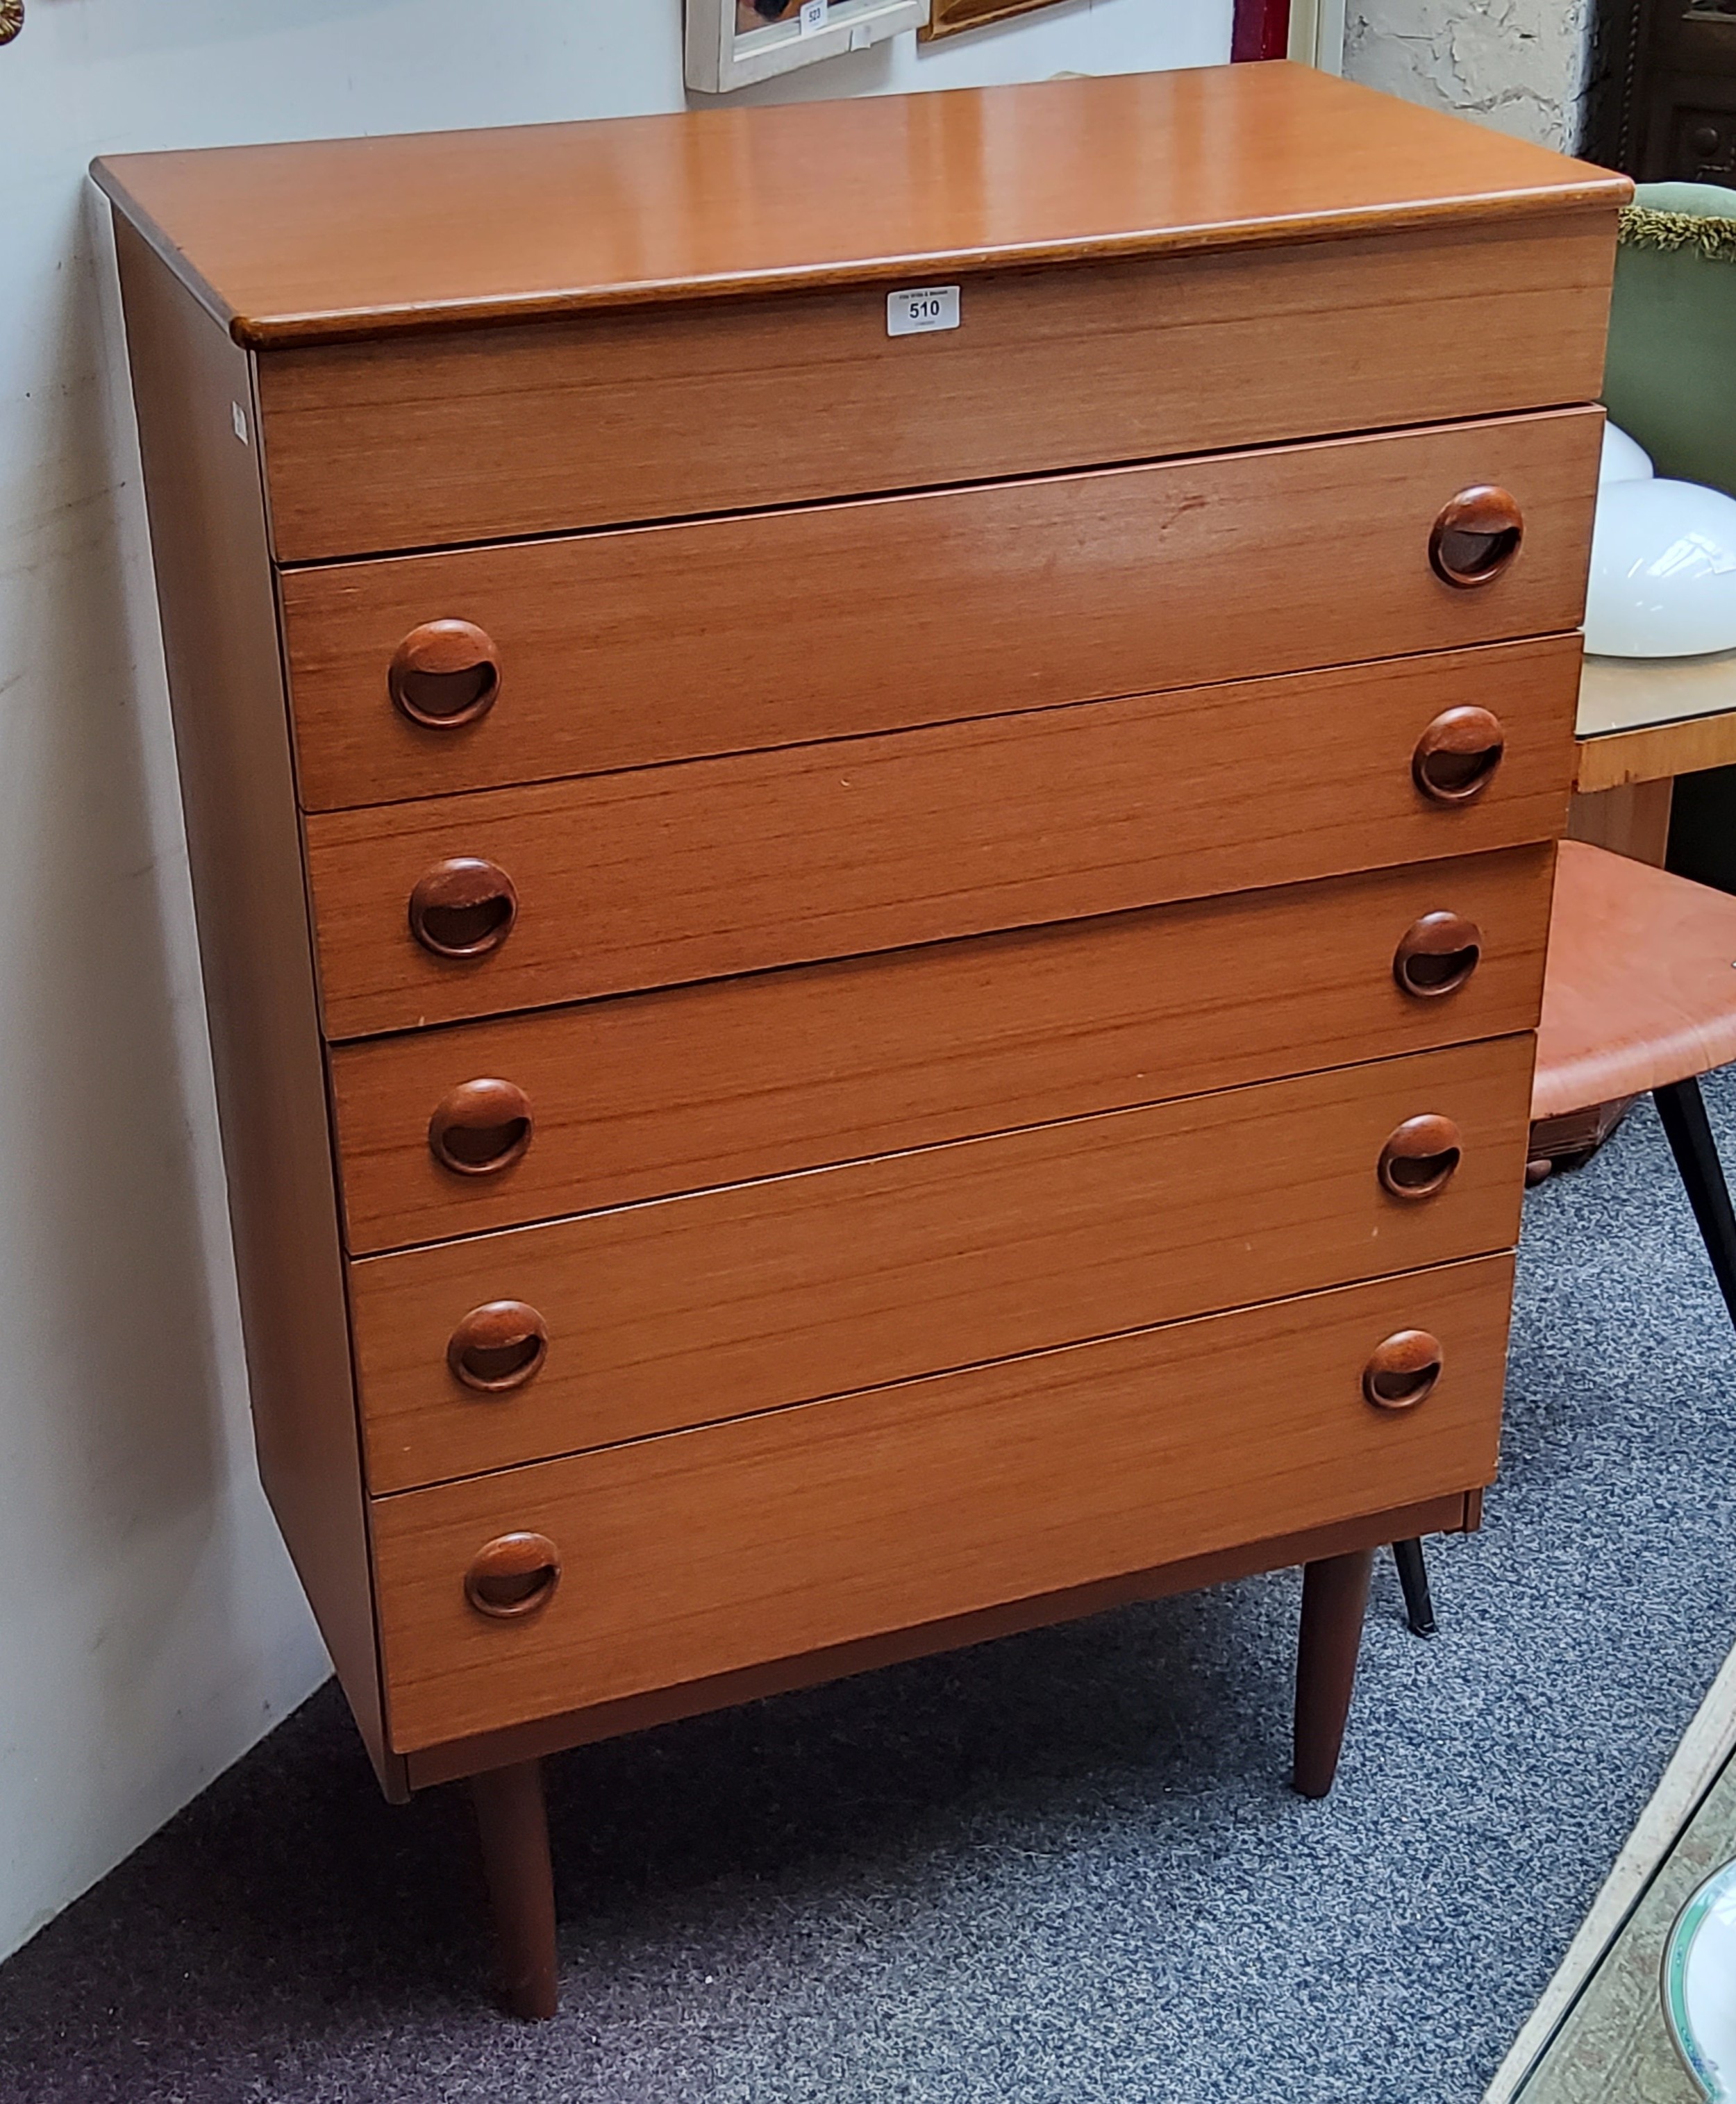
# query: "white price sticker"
[814,13]
[926,307]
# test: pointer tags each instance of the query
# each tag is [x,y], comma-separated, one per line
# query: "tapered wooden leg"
[1334,1591]
[513,1822]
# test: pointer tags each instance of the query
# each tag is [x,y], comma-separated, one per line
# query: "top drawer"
[489,433]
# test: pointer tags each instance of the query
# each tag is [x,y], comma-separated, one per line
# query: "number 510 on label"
[915,311]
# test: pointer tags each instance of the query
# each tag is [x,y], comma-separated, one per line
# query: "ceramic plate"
[1699,1984]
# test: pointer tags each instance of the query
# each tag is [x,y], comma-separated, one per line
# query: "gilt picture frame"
[948,17]
[731,43]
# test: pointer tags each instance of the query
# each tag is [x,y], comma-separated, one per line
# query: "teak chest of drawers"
[868,989]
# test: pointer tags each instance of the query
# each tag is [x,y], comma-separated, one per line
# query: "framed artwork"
[1311,30]
[950,16]
[732,42]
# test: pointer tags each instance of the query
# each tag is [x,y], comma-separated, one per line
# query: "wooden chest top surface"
[341,239]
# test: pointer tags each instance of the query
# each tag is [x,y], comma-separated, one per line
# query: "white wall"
[151,1629]
[1518,66]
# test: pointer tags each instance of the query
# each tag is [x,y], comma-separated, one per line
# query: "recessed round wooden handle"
[1436,954]
[1419,1158]
[480,1127]
[513,1576]
[498,1347]
[1456,758]
[463,908]
[1403,1369]
[1475,535]
[445,675]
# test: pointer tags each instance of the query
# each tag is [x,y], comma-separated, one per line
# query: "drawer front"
[738,1544]
[659,1093]
[719,866]
[486,433]
[711,1306]
[627,649]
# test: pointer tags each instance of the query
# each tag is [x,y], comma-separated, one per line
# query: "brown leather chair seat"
[1640,989]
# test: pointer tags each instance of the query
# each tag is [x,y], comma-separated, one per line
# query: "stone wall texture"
[1518,66]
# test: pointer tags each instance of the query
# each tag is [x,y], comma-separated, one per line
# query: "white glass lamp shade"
[1623,459]
[1663,571]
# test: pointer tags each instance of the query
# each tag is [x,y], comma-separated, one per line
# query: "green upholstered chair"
[1670,378]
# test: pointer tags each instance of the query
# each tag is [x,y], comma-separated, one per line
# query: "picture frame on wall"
[948,17]
[1310,30]
[731,43]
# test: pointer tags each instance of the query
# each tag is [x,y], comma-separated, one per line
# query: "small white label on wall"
[238,417]
[927,307]
[814,13]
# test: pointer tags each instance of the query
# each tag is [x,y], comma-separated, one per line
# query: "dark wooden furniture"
[867,990]
[1662,105]
[1638,994]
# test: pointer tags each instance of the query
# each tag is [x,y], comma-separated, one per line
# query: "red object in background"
[1262,29]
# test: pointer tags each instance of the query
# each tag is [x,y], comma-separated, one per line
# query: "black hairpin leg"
[1684,1126]
[1413,1575]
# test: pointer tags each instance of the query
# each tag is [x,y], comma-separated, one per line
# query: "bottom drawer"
[699,1553]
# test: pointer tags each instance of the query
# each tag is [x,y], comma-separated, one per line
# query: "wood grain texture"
[708,1307]
[358,236]
[1633,820]
[623,649]
[1618,760]
[716,1549]
[654,1095]
[667,875]
[232,744]
[482,435]
[1640,989]
[551,1734]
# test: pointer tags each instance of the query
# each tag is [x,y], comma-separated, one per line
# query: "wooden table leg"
[1633,820]
[513,1822]
[1334,1591]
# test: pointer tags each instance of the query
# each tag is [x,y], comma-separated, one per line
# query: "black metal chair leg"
[1684,1115]
[1413,1575]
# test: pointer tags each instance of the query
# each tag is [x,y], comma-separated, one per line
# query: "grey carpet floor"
[1058,1869]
